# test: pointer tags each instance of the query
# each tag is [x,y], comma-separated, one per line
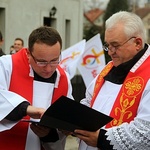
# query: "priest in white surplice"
[32,77]
[122,89]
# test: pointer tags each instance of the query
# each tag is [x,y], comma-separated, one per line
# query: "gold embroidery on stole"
[131,89]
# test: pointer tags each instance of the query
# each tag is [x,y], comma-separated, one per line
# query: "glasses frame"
[53,63]
[106,45]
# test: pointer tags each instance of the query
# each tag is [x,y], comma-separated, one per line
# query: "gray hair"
[133,25]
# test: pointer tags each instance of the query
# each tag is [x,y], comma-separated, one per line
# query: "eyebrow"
[113,42]
[41,59]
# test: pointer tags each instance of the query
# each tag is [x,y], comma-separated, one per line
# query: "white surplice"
[42,95]
[134,135]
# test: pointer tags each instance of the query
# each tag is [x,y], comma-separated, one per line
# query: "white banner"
[71,56]
[92,60]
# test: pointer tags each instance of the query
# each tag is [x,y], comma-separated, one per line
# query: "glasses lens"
[41,64]
[105,47]
[54,63]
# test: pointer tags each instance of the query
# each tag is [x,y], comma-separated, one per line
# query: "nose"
[48,67]
[111,51]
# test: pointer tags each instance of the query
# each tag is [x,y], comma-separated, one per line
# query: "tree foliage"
[91,31]
[113,7]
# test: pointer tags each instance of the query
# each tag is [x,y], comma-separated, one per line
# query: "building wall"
[146,21]
[19,17]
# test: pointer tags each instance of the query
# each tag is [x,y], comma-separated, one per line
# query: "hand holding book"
[67,114]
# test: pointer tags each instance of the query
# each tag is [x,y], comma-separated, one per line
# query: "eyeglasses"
[53,63]
[114,47]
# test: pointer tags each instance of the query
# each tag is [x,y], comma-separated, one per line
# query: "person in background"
[12,51]
[1,43]
[122,89]
[18,44]
[32,79]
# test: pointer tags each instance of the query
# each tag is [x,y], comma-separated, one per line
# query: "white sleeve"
[136,134]
[89,93]
[8,100]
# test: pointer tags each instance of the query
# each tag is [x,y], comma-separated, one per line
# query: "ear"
[139,43]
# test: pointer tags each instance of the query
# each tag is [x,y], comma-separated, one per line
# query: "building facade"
[19,17]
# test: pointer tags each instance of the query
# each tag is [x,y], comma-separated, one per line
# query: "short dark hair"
[1,36]
[44,34]
[20,39]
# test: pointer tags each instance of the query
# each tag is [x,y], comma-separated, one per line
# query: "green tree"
[91,31]
[113,7]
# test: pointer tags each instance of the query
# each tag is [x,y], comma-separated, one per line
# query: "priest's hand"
[35,112]
[90,138]
[40,131]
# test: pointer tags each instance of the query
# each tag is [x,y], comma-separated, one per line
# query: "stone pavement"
[71,143]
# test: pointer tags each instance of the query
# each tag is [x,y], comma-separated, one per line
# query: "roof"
[92,15]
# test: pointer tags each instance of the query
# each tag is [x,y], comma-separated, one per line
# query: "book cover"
[67,114]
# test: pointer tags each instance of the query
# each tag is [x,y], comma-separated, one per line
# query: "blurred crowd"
[18,44]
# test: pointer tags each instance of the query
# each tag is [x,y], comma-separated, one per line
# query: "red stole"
[22,84]
[127,101]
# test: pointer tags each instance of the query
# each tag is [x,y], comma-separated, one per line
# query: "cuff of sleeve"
[19,112]
[23,108]
[102,142]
